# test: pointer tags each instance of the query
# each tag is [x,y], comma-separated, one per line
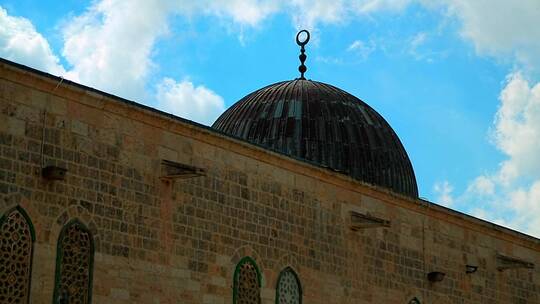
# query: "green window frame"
[64,252]
[240,286]
[10,265]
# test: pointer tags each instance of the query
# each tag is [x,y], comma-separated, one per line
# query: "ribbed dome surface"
[325,125]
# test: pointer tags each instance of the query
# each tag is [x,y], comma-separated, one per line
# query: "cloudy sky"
[458,80]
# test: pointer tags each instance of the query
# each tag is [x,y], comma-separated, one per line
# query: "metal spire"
[302,68]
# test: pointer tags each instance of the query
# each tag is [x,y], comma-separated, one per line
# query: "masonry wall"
[178,241]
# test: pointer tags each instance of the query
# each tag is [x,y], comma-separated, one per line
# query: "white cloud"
[415,47]
[511,195]
[244,12]
[509,31]
[110,45]
[371,6]
[516,207]
[517,129]
[526,205]
[444,193]
[418,40]
[361,48]
[506,29]
[307,14]
[482,186]
[186,100]
[501,28]
[19,41]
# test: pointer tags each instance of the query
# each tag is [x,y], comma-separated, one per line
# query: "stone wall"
[178,240]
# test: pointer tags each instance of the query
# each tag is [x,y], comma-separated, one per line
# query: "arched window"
[74,263]
[247,282]
[16,241]
[289,290]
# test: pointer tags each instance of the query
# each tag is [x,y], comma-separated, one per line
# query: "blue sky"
[456,79]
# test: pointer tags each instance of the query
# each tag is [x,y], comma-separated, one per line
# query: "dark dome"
[320,123]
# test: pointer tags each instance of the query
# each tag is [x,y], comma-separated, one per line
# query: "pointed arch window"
[16,245]
[289,290]
[74,265]
[247,282]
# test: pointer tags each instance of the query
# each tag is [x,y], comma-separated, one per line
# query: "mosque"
[298,193]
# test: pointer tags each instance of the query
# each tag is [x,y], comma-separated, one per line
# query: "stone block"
[167,153]
[120,294]
[79,128]
[13,126]
[212,299]
[218,281]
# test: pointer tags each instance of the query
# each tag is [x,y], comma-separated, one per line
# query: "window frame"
[246,259]
[280,276]
[60,254]
[32,237]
